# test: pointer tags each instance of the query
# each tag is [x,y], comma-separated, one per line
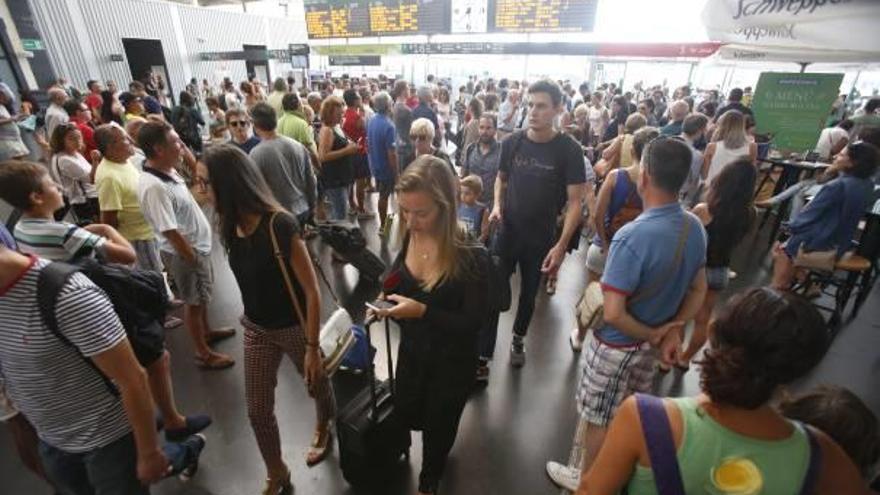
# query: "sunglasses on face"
[238,123]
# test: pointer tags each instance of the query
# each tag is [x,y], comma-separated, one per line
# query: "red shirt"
[94,101]
[88,136]
[353,127]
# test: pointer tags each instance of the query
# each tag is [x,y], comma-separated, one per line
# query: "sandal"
[214,361]
[279,486]
[320,446]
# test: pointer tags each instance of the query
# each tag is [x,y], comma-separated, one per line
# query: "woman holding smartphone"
[249,216]
[439,288]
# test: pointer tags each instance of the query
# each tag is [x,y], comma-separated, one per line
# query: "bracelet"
[312,344]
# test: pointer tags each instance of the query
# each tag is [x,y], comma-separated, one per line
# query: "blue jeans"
[338,197]
[108,470]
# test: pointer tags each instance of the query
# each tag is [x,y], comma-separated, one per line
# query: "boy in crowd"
[28,187]
[185,235]
[474,215]
[654,282]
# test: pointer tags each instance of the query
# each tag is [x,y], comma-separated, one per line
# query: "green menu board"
[793,107]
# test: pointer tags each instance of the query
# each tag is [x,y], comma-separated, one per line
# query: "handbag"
[816,260]
[336,337]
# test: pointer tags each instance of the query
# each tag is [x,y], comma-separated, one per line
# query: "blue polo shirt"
[380,138]
[641,254]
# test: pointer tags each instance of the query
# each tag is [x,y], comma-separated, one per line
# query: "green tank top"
[717,461]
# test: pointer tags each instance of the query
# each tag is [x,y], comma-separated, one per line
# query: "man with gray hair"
[381,136]
[314,100]
[425,110]
[678,111]
[55,114]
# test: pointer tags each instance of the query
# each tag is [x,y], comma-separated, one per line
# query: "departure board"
[536,16]
[359,18]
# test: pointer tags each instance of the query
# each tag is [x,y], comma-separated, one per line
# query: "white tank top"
[723,155]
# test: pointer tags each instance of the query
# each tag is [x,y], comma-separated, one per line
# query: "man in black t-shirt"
[541,172]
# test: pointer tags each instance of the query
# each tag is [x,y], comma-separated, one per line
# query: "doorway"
[257,63]
[144,57]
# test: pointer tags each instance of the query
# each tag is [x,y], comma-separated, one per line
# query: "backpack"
[631,208]
[138,297]
[185,126]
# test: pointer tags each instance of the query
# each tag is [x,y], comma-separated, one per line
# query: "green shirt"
[707,445]
[295,127]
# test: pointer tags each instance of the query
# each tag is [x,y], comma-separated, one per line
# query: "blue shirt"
[642,255]
[423,111]
[380,139]
[831,219]
[248,145]
[472,218]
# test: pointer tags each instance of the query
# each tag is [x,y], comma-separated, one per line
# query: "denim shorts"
[717,277]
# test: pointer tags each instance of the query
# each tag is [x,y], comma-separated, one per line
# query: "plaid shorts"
[610,375]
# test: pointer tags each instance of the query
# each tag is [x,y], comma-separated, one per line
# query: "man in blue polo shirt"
[381,135]
[654,282]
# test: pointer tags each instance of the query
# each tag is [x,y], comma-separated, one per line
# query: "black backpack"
[139,298]
[186,127]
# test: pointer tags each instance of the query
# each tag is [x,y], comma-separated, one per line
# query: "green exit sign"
[31,44]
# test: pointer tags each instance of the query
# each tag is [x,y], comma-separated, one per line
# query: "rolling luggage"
[372,438]
[348,241]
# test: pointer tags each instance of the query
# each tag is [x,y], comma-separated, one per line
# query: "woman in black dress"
[439,286]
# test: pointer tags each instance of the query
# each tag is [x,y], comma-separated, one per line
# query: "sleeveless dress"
[724,155]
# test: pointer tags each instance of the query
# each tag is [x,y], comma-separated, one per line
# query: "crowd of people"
[508,176]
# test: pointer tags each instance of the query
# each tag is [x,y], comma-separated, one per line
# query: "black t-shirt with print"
[537,177]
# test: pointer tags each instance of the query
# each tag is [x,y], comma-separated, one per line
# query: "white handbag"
[336,337]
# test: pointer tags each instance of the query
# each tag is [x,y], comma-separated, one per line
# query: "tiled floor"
[509,430]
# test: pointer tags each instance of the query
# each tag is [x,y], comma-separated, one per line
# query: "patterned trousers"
[263,350]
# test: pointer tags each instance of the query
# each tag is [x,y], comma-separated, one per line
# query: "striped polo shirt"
[56,241]
[64,398]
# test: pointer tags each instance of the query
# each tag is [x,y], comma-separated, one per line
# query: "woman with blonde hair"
[729,143]
[439,288]
[335,152]
[422,135]
[619,154]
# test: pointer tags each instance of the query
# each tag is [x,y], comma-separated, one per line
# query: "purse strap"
[661,281]
[811,477]
[660,444]
[282,266]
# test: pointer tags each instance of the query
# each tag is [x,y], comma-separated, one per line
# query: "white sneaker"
[576,344]
[564,476]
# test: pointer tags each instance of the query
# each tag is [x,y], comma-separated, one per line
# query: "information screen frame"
[567,20]
[369,18]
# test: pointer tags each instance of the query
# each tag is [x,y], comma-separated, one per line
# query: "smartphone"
[379,305]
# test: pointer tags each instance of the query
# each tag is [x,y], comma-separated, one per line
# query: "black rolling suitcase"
[372,438]
[349,242]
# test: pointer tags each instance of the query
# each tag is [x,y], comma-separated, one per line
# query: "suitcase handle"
[371,370]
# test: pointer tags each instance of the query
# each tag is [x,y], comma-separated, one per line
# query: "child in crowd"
[844,417]
[474,215]
[28,187]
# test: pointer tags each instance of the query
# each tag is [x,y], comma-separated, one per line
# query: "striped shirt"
[56,241]
[65,399]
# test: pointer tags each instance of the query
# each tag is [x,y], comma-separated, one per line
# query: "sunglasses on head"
[237,123]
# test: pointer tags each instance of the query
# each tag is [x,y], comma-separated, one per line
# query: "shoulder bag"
[336,337]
